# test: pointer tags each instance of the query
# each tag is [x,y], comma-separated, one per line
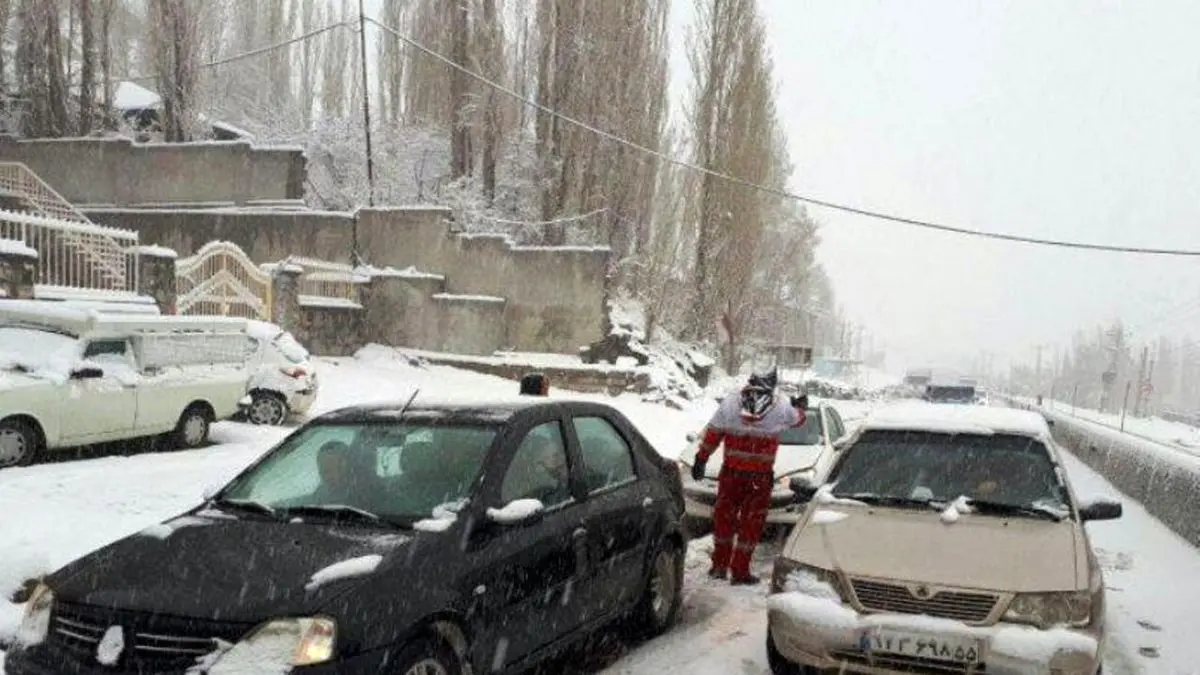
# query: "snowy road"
[57,512]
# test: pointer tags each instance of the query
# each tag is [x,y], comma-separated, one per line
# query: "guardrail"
[1164,479]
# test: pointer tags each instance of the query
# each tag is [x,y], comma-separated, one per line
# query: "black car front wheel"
[658,608]
[427,656]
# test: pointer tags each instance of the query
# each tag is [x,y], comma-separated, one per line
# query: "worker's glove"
[800,402]
[698,468]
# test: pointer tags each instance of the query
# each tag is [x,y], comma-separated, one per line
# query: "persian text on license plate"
[920,645]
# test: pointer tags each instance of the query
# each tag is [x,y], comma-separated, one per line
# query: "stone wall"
[117,171]
[552,297]
[1163,480]
[18,270]
[583,378]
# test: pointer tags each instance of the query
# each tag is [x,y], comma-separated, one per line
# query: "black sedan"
[423,538]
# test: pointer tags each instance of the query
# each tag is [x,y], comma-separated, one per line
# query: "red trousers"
[743,500]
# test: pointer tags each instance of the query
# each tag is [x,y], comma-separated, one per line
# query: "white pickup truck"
[72,377]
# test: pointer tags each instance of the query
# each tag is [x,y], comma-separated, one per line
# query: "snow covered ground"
[64,510]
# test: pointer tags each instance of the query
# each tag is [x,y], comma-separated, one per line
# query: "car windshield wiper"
[1005,509]
[245,505]
[891,500]
[337,511]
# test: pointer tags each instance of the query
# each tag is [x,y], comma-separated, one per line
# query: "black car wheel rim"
[663,584]
[427,667]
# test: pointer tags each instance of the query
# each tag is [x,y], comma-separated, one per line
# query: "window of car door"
[607,458]
[539,469]
[839,429]
[112,356]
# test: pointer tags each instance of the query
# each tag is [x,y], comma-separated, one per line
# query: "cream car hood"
[1014,554]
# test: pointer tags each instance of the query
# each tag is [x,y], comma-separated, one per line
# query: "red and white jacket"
[750,444]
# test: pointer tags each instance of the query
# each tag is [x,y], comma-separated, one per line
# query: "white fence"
[325,282]
[74,254]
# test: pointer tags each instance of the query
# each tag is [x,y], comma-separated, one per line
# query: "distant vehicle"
[806,452]
[283,381]
[423,538]
[71,377]
[950,393]
[945,540]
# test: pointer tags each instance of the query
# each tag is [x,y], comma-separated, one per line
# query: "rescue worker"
[749,423]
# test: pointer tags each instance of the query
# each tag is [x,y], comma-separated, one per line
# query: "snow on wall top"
[14,247]
[958,419]
[155,251]
[467,298]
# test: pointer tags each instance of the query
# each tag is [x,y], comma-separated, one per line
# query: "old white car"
[806,451]
[283,380]
[72,377]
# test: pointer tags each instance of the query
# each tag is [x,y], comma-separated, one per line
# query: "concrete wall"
[553,297]
[1164,480]
[117,171]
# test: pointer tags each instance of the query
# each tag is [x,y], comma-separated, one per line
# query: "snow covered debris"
[808,584]
[826,618]
[346,569]
[265,655]
[825,495]
[442,517]
[1027,643]
[155,251]
[955,509]
[827,517]
[164,530]
[958,419]
[515,511]
[111,646]
[205,663]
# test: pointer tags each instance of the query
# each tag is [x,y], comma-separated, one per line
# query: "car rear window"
[809,434]
[1006,468]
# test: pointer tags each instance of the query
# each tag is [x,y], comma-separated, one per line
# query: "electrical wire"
[845,208]
[246,55]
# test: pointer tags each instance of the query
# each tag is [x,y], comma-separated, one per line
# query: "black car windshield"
[999,469]
[809,434]
[399,472]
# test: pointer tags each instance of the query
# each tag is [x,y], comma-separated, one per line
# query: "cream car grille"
[877,596]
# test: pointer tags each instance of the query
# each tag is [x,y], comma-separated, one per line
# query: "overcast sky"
[1064,119]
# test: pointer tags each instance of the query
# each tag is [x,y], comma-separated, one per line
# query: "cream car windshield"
[999,472]
[30,349]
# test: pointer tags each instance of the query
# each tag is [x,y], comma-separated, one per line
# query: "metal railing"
[18,183]
[220,279]
[76,254]
[326,280]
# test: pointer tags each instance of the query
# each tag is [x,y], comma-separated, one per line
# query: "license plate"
[920,645]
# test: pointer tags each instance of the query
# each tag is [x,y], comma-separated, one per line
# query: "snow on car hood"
[973,551]
[789,459]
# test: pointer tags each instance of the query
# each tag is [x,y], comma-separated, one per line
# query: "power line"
[879,215]
[246,55]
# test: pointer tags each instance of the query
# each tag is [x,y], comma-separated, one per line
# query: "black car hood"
[223,568]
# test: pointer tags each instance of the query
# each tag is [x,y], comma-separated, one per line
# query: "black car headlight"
[296,642]
[1046,610]
[794,577]
[35,625]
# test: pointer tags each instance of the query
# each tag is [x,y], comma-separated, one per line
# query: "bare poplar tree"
[87,67]
[176,40]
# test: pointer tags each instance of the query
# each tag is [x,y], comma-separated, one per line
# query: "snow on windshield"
[926,465]
[40,353]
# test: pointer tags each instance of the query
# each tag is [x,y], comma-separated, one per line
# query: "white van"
[71,377]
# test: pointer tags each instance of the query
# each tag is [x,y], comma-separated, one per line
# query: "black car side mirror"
[86,373]
[1102,510]
[803,489]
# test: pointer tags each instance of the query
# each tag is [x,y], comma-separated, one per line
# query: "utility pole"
[366,102]
[1141,381]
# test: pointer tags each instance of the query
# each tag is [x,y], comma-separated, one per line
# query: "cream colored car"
[945,540]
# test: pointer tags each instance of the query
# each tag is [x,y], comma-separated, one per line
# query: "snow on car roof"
[958,419]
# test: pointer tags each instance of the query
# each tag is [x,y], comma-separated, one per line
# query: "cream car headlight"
[298,642]
[35,626]
[794,577]
[1045,610]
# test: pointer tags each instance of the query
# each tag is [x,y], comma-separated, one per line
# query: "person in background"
[749,423]
[535,384]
